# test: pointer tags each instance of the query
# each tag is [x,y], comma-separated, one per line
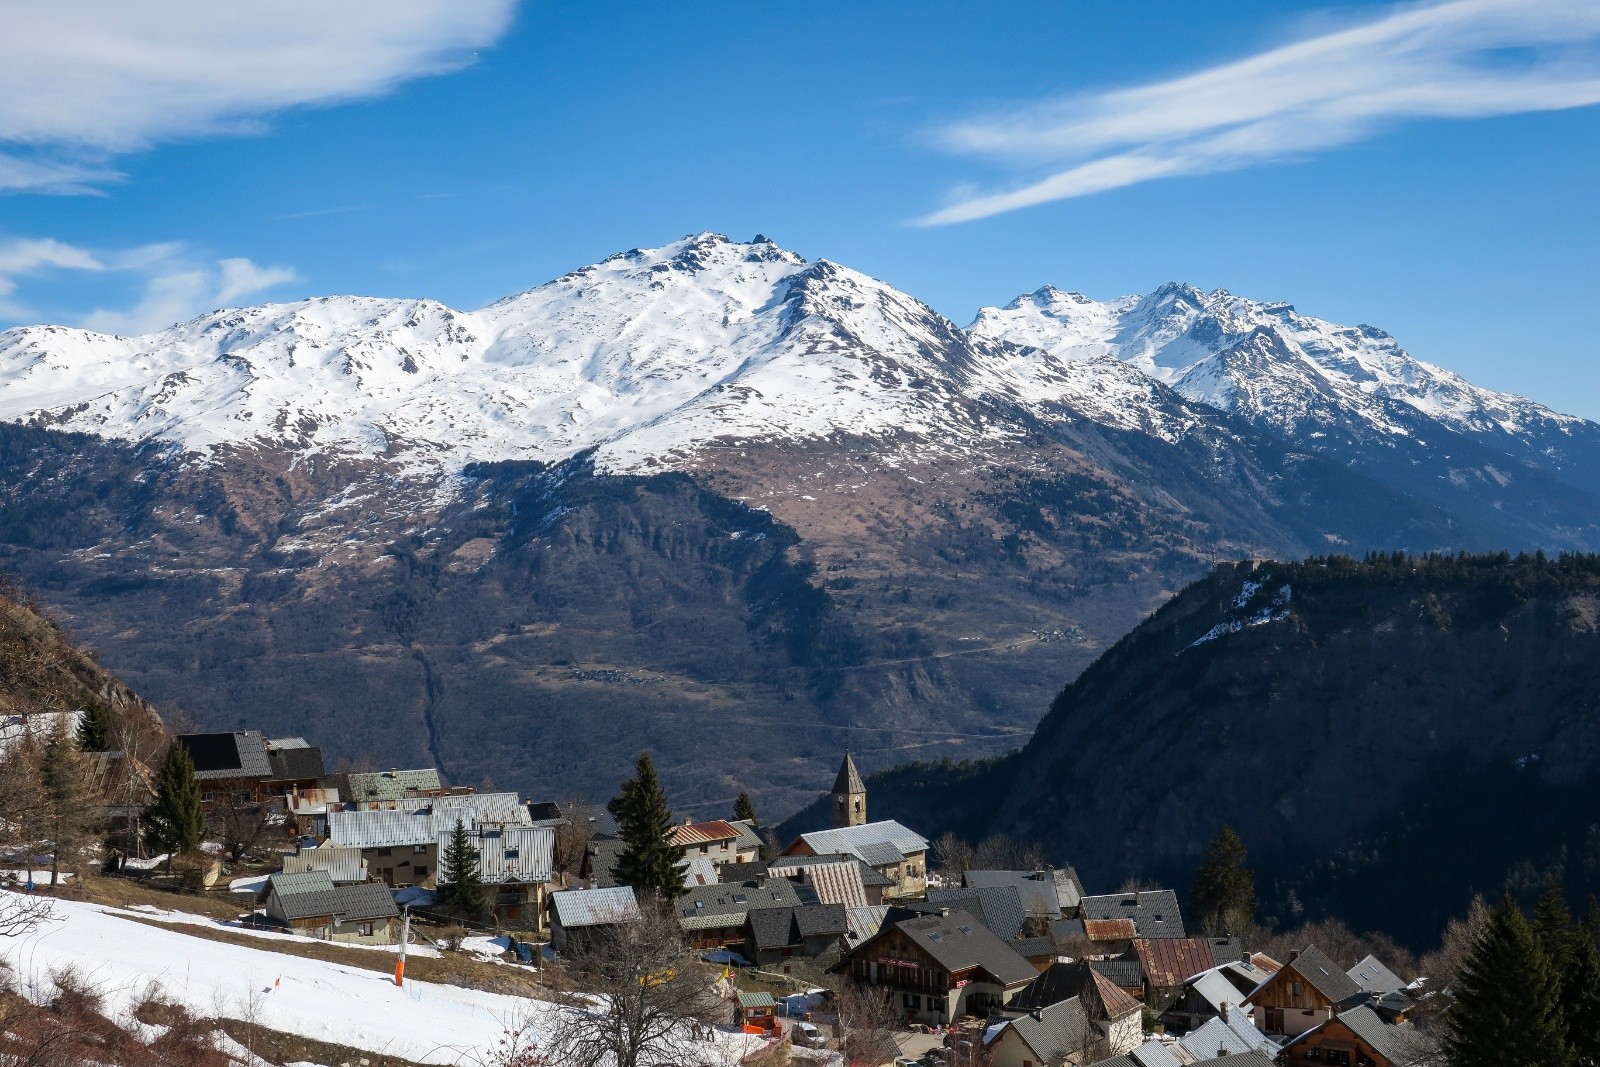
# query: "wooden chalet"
[1360,1037]
[1308,991]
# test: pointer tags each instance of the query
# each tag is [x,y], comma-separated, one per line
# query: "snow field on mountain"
[425,1022]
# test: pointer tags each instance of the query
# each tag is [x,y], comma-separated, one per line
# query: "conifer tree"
[460,873]
[176,821]
[648,862]
[744,810]
[70,806]
[1507,1009]
[1223,899]
[1552,925]
[94,728]
[1581,990]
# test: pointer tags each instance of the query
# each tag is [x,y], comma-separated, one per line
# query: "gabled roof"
[725,904]
[1215,989]
[1053,1032]
[756,1000]
[371,787]
[749,836]
[1235,1034]
[220,756]
[381,829]
[1081,979]
[313,894]
[958,941]
[1374,977]
[685,835]
[1034,947]
[1127,973]
[1109,929]
[1322,974]
[849,779]
[1400,1043]
[507,855]
[577,908]
[1154,912]
[886,838]
[699,870]
[1036,890]
[1171,961]
[834,883]
[999,907]
[294,762]
[342,864]
[862,923]
[1150,1054]
[505,808]
[788,866]
[772,928]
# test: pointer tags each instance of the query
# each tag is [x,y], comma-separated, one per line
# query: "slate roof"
[342,864]
[998,907]
[221,756]
[1054,1032]
[1062,981]
[1033,947]
[958,941]
[1171,961]
[1154,912]
[1374,977]
[603,856]
[1149,1054]
[313,894]
[1125,972]
[849,779]
[749,836]
[1401,1044]
[1236,1034]
[376,786]
[1036,890]
[1323,975]
[773,928]
[743,872]
[294,762]
[725,904]
[1226,949]
[877,837]
[576,908]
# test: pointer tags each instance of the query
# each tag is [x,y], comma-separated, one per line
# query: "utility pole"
[405,936]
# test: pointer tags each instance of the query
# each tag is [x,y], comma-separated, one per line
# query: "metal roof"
[576,908]
[1171,961]
[684,835]
[341,864]
[854,840]
[862,923]
[999,907]
[391,785]
[835,883]
[1155,912]
[504,808]
[1109,929]
[382,829]
[1036,890]
[789,865]
[700,870]
[1374,977]
[757,1000]
[509,854]
[1234,1035]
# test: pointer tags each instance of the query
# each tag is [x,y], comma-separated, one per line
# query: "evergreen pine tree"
[94,728]
[648,862]
[70,806]
[1223,899]
[744,810]
[1552,925]
[1507,1010]
[1581,990]
[462,876]
[176,822]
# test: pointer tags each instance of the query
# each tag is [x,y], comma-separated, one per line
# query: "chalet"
[778,936]
[229,767]
[1230,1032]
[1058,1034]
[1309,990]
[515,864]
[401,844]
[1375,978]
[1360,1038]
[1154,913]
[1111,1019]
[1161,1057]
[717,840]
[1168,963]
[310,904]
[581,915]
[716,916]
[293,766]
[1227,985]
[897,853]
[941,966]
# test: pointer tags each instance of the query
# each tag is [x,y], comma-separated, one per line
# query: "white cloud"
[172,285]
[1453,59]
[81,80]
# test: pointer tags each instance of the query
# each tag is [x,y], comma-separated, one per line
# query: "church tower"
[849,796]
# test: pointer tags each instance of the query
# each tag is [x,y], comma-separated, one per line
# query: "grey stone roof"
[772,928]
[1155,912]
[367,788]
[849,779]
[1053,1032]
[313,894]
[959,941]
[603,856]
[725,904]
[749,836]
[1401,1044]
[220,756]
[1034,946]
[1323,975]
[1126,973]
[998,907]
[1036,890]
[297,762]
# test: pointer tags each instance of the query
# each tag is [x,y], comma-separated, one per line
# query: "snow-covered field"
[363,1009]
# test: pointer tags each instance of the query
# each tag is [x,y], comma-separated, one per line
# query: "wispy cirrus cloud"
[1451,59]
[167,281]
[84,80]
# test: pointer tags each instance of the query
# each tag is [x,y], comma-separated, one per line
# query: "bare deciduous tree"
[240,824]
[21,914]
[953,856]
[1002,853]
[867,1017]
[651,1000]
[573,834]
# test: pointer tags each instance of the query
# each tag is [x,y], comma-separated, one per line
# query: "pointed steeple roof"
[849,780]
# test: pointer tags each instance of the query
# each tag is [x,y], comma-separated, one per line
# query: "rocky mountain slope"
[710,490]
[1386,736]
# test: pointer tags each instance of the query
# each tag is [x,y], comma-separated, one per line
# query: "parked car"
[806,1035]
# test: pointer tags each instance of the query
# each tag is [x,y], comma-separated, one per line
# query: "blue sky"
[1428,168]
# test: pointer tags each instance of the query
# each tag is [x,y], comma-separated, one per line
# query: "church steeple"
[849,795]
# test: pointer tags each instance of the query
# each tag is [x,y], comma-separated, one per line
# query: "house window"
[384,852]
[511,853]
[705,850]
[417,850]
[420,871]
[1294,989]
[1338,1057]
[912,1001]
[366,929]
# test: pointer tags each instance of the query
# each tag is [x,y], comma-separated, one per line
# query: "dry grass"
[279,1047]
[127,893]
